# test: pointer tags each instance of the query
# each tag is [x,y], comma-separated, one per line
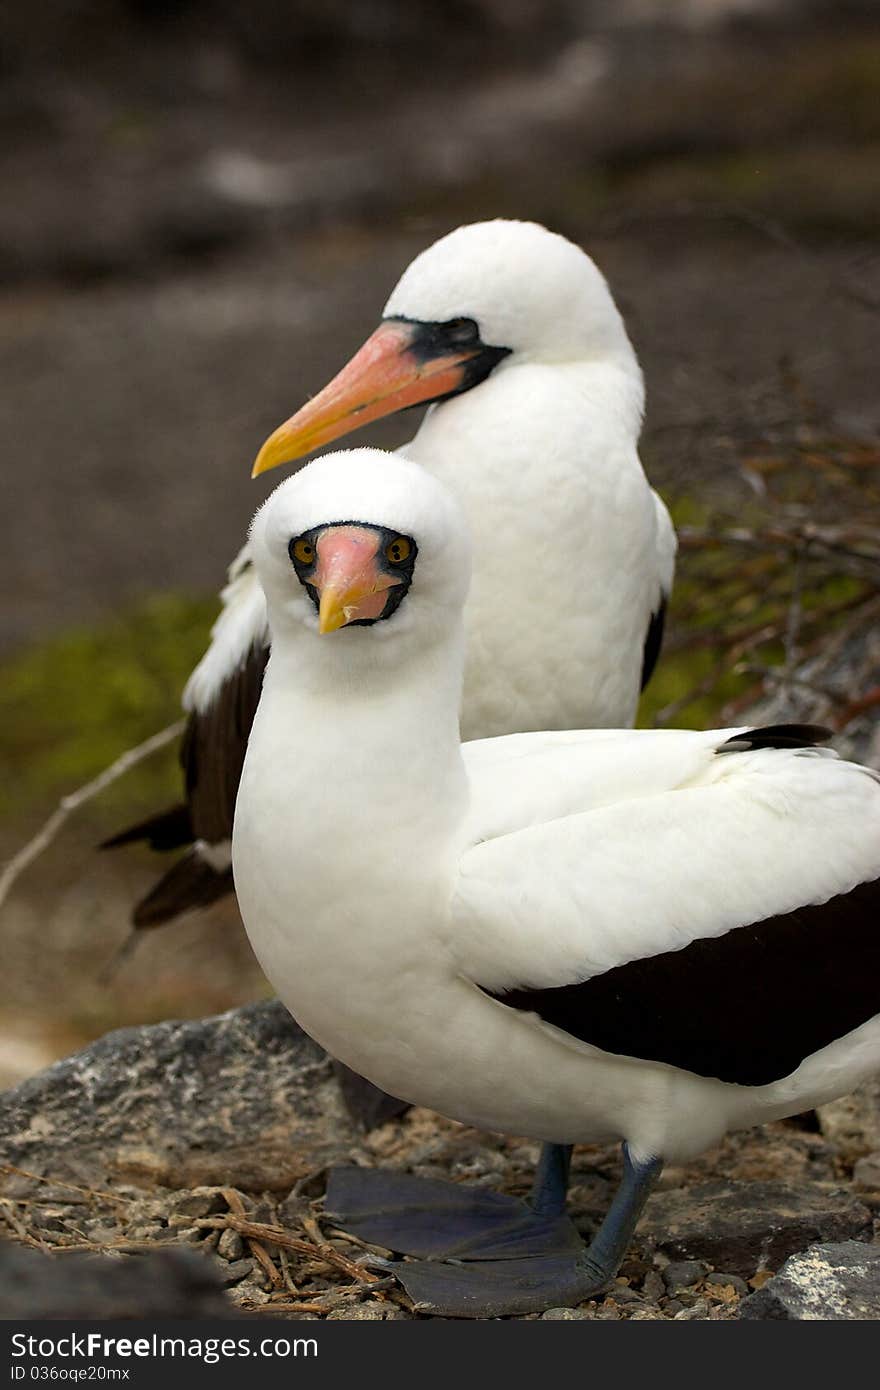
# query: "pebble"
[680,1274]
[358,1312]
[700,1309]
[17,1186]
[196,1204]
[150,1230]
[622,1293]
[563,1315]
[236,1271]
[101,1234]
[191,1234]
[653,1286]
[739,1285]
[48,1219]
[230,1245]
[179,1221]
[247,1292]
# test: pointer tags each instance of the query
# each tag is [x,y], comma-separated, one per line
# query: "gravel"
[717,1233]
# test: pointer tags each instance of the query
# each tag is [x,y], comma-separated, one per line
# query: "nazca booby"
[511,330]
[652,936]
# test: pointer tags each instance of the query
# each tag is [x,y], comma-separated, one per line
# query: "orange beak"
[384,376]
[348,578]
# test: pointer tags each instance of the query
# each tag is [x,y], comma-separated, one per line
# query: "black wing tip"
[777,736]
[653,640]
[188,885]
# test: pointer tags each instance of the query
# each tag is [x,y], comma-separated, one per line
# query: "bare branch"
[68,804]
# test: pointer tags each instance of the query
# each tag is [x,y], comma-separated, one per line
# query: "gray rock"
[361,1312]
[236,1271]
[680,1274]
[230,1245]
[164,1284]
[827,1282]
[738,1285]
[697,1310]
[652,1285]
[149,1230]
[99,1232]
[191,1234]
[244,1099]
[47,1219]
[196,1204]
[563,1315]
[741,1226]
[622,1293]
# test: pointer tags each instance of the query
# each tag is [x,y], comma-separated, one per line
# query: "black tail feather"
[365,1103]
[171,829]
[777,736]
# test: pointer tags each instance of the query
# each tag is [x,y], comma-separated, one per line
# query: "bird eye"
[461,331]
[302,551]
[398,551]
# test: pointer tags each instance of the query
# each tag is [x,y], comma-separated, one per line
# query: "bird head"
[366,542]
[482,297]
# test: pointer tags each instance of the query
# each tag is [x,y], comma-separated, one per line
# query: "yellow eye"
[398,550]
[303,551]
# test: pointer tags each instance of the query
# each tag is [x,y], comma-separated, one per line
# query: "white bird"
[512,331]
[652,936]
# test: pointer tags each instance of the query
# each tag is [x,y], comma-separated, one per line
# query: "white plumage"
[542,453]
[393,882]
[241,626]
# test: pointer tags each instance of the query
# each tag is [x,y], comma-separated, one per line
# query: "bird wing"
[525,780]
[666,547]
[241,627]
[666,544]
[221,696]
[753,877]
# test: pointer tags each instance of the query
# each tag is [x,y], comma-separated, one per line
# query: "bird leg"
[550,1188]
[603,1255]
[481,1254]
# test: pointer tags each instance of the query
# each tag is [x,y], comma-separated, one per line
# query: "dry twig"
[68,804]
[276,1235]
[59,1182]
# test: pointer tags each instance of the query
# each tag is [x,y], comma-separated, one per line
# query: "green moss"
[71,705]
[733,601]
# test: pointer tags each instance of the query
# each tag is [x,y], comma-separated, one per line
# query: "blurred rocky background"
[204,207]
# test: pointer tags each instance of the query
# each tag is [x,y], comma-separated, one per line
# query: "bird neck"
[377,735]
[527,396]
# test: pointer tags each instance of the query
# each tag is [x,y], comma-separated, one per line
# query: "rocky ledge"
[158,1148]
